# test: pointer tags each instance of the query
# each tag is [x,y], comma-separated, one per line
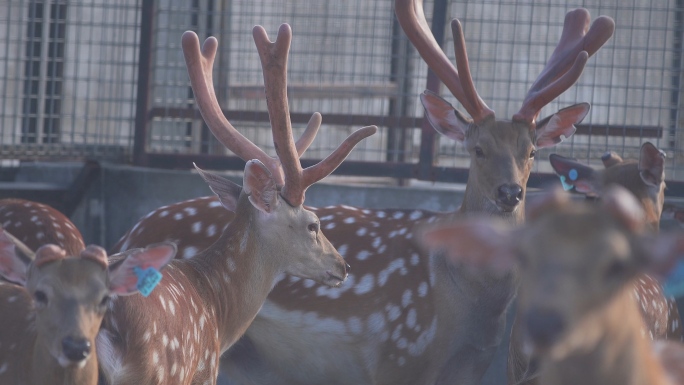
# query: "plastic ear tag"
[147,279]
[674,284]
[566,186]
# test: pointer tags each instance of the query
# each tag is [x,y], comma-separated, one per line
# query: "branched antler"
[286,168]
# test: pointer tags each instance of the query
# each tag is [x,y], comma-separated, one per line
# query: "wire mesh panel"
[67,75]
[632,83]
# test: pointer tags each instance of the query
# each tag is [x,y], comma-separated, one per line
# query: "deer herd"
[265,290]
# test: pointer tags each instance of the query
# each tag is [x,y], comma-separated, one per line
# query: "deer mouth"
[333,279]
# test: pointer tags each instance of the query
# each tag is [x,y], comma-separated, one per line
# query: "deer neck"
[610,349]
[46,370]
[235,276]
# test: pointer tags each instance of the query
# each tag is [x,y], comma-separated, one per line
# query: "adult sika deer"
[48,326]
[205,303]
[404,317]
[578,264]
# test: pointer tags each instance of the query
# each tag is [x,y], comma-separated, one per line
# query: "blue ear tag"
[674,284]
[147,279]
[566,187]
[572,174]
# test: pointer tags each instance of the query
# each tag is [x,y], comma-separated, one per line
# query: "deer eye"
[616,269]
[533,153]
[314,227]
[40,297]
[478,152]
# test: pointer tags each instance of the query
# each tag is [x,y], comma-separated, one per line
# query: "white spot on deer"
[294,279]
[178,216]
[393,312]
[196,227]
[146,336]
[384,274]
[411,318]
[401,361]
[326,218]
[424,339]
[380,214]
[202,320]
[415,215]
[361,231]
[190,210]
[12,298]
[160,374]
[163,303]
[155,357]
[350,208]
[3,367]
[365,284]
[343,250]
[7,214]
[172,308]
[309,283]
[165,340]
[330,226]
[189,252]
[349,220]
[60,235]
[398,215]
[34,218]
[173,370]
[422,289]
[211,230]
[402,343]
[396,334]
[406,298]
[40,235]
[376,322]
[363,255]
[164,213]
[377,242]
[382,249]
[17,224]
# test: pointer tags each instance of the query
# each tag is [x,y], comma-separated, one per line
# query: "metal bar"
[392,122]
[426,156]
[678,67]
[144,72]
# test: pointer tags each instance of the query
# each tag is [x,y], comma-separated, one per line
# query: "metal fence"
[107,79]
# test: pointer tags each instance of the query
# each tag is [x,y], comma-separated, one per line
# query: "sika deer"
[34,225]
[48,327]
[205,303]
[577,263]
[645,179]
[405,317]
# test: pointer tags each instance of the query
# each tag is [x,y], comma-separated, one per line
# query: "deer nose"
[510,194]
[346,265]
[544,326]
[76,349]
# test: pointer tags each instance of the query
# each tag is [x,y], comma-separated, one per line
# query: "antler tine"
[412,19]
[567,62]
[309,134]
[273,57]
[200,64]
[471,94]
[325,167]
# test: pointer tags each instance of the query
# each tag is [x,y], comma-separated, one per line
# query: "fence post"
[143,92]
[427,133]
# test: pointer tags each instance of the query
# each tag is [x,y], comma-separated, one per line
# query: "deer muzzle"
[76,349]
[509,196]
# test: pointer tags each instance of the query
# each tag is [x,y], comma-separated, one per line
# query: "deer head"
[502,151]
[644,178]
[274,187]
[573,257]
[66,297]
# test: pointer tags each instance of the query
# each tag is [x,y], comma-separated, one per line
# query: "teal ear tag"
[572,174]
[674,284]
[147,279]
[566,186]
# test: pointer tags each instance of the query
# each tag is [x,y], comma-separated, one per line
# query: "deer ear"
[12,267]
[555,128]
[443,117]
[651,165]
[127,276]
[480,243]
[260,186]
[574,174]
[227,191]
